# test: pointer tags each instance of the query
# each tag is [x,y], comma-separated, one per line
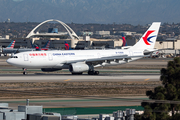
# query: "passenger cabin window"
[14,57]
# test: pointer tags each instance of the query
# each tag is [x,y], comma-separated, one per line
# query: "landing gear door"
[25,57]
[50,56]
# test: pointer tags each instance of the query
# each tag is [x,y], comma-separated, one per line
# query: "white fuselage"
[60,58]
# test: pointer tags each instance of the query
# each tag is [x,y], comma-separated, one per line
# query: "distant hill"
[91,11]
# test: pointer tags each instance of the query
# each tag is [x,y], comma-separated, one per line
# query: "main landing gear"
[80,73]
[93,72]
[24,69]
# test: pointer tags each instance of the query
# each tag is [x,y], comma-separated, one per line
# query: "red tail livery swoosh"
[66,46]
[145,38]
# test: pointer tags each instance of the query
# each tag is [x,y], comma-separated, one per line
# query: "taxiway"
[103,77]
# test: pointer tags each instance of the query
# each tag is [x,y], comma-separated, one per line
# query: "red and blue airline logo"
[11,45]
[147,39]
[66,46]
[124,40]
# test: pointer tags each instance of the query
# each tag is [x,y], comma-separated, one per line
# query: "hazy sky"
[91,11]
[17,0]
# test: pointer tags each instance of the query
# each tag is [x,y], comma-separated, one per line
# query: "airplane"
[9,48]
[45,47]
[79,61]
[35,47]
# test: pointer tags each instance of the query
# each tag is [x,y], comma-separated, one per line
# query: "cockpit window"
[14,57]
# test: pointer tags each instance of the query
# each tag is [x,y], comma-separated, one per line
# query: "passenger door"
[25,57]
[50,56]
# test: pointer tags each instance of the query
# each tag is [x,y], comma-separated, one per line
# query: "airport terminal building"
[87,40]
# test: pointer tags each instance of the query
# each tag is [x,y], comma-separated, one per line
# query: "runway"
[104,77]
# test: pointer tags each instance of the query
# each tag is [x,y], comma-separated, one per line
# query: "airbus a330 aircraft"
[79,61]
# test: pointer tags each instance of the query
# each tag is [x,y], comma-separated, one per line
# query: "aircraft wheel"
[24,69]
[24,73]
[77,73]
[96,73]
[91,72]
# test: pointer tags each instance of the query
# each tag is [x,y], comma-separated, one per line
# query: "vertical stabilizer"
[31,45]
[67,47]
[11,45]
[148,40]
[47,45]
[124,40]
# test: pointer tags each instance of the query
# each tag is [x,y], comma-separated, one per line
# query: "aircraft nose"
[9,61]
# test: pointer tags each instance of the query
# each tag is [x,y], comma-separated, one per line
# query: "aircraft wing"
[103,59]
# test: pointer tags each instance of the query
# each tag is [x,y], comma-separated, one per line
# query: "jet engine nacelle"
[50,69]
[78,67]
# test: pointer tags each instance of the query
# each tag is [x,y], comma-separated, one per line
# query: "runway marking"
[146,79]
[67,80]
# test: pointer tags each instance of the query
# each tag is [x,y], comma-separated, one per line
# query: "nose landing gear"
[24,69]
